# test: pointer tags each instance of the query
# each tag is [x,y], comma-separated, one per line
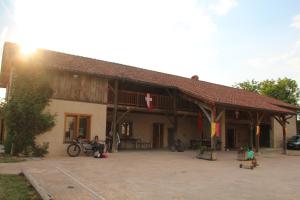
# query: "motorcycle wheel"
[73,150]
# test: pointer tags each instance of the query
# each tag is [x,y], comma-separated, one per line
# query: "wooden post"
[114,122]
[175,125]
[259,119]
[251,135]
[283,120]
[284,135]
[257,133]
[213,127]
[252,123]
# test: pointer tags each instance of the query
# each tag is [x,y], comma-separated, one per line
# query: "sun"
[27,49]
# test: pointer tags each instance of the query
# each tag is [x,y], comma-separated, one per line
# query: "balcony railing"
[137,99]
[130,98]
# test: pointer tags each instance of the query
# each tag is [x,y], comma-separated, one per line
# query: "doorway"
[158,135]
[264,138]
[230,142]
[171,137]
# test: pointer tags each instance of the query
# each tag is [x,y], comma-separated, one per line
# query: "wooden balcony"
[137,99]
[130,98]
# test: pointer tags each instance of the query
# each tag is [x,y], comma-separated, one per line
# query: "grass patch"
[5,158]
[16,187]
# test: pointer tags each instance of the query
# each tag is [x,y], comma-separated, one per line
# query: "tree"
[283,89]
[252,85]
[24,112]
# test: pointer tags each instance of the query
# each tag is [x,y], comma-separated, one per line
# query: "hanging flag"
[257,130]
[148,100]
[213,129]
[200,121]
[218,129]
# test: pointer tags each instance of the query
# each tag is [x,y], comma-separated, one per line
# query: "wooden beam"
[283,120]
[259,119]
[122,116]
[220,115]
[205,113]
[213,121]
[278,119]
[175,124]
[114,122]
[169,118]
[154,111]
[192,100]
[169,93]
[252,122]
[111,89]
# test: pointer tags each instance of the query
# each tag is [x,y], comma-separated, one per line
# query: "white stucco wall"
[55,137]
[276,133]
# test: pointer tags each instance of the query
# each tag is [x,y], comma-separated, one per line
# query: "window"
[77,125]
[126,129]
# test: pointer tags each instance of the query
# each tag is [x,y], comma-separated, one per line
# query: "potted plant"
[206,153]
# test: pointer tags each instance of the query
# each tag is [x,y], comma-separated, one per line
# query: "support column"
[223,131]
[175,125]
[283,120]
[251,135]
[114,122]
[257,133]
[213,128]
[259,119]
[284,136]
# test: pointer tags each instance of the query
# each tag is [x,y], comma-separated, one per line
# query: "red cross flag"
[148,100]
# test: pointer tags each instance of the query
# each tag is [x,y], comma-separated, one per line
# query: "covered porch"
[174,114]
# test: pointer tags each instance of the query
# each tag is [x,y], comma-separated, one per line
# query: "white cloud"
[296,22]
[222,7]
[285,64]
[172,36]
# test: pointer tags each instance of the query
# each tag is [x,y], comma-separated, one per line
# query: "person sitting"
[95,143]
[97,147]
[250,156]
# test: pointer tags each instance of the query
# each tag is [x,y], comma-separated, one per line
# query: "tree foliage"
[283,89]
[24,112]
[252,85]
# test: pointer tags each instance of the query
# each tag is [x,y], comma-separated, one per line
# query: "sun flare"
[27,49]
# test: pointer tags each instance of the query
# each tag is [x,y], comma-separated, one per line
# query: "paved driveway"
[165,175]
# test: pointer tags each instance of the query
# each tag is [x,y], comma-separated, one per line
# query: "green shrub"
[8,143]
[24,112]
[40,150]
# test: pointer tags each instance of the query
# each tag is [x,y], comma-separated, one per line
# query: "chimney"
[195,77]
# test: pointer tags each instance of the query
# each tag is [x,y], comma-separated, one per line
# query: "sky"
[221,41]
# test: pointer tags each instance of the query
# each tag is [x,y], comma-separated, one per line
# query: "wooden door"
[230,138]
[158,135]
[171,137]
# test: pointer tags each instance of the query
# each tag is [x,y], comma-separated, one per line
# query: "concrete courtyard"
[164,175]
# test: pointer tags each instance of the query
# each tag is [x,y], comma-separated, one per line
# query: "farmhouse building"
[148,109]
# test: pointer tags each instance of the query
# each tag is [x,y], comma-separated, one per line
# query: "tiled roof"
[205,91]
